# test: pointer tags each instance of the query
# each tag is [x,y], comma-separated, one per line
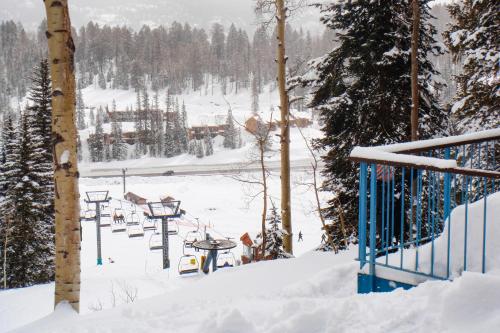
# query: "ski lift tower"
[165,211]
[97,197]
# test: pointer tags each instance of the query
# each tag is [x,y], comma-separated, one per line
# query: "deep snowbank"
[475,227]
[138,270]
[313,293]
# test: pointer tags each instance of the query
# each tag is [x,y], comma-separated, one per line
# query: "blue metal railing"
[409,205]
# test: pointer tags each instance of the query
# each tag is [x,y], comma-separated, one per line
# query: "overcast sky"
[138,12]
[135,13]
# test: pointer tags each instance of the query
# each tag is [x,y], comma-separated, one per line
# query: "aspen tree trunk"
[286,214]
[262,144]
[414,69]
[67,206]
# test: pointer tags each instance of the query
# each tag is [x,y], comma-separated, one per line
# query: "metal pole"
[98,231]
[123,172]
[166,260]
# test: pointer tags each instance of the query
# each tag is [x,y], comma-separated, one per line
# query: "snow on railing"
[400,154]
[457,140]
[406,195]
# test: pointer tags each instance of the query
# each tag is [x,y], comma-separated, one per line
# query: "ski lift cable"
[199,223]
[205,225]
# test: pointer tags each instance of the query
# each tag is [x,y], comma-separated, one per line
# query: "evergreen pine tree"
[92,117]
[9,176]
[178,131]
[157,127]
[30,257]
[80,110]
[145,133]
[473,39]
[40,98]
[169,137]
[255,95]
[79,149]
[8,166]
[107,151]
[119,147]
[101,81]
[138,149]
[230,133]
[105,115]
[363,90]
[184,128]
[96,142]
[209,146]
[274,236]
[199,149]
[192,147]
[39,118]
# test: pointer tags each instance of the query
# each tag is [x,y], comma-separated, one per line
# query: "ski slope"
[138,270]
[313,293]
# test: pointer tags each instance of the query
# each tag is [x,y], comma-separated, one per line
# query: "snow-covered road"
[193,169]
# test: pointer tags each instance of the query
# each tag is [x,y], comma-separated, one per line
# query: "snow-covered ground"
[316,292]
[204,107]
[138,270]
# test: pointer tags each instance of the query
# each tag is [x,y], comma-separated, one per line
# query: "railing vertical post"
[393,199]
[418,216]
[446,209]
[373,221]
[362,214]
[402,220]
[466,219]
[485,212]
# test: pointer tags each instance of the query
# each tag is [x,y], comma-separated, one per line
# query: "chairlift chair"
[149,223]
[105,210]
[156,241]
[89,215]
[118,227]
[188,264]
[135,231]
[173,228]
[191,237]
[226,259]
[118,216]
[105,221]
[133,219]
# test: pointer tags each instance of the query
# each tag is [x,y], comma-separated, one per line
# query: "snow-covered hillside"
[135,267]
[313,293]
[205,107]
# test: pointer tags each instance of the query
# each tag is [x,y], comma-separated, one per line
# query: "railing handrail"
[456,170]
[445,142]
[409,205]
[398,154]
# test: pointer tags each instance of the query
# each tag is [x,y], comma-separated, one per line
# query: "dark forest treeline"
[179,56]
